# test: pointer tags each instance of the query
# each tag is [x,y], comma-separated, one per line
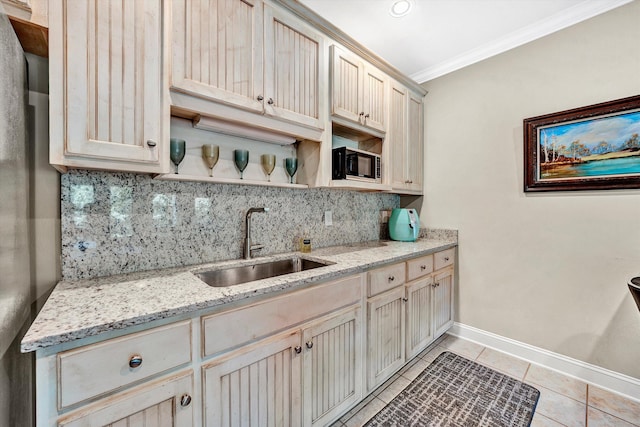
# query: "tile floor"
[564,401]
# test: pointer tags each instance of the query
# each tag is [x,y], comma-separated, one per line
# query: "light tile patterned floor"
[564,401]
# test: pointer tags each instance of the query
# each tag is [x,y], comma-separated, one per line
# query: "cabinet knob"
[392,278]
[437,284]
[423,267]
[270,101]
[135,361]
[151,143]
[361,114]
[446,258]
[434,285]
[309,344]
[260,97]
[405,299]
[366,116]
[297,349]
[185,400]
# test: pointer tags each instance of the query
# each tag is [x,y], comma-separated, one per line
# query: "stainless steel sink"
[248,273]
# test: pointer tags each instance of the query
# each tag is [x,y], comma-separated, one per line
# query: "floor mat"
[454,391]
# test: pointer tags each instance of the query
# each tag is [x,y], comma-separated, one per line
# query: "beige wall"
[548,269]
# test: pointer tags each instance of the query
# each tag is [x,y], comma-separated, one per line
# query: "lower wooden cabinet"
[255,386]
[420,331]
[332,367]
[385,335]
[163,403]
[298,359]
[443,301]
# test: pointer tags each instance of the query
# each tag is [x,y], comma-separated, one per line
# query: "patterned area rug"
[454,391]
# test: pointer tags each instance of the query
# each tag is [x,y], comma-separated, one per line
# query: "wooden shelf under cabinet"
[213,179]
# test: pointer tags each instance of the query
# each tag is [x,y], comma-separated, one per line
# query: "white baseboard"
[592,374]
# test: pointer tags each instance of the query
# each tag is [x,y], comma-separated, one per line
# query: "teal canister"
[404,225]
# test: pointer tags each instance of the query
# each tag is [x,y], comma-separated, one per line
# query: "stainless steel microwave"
[360,165]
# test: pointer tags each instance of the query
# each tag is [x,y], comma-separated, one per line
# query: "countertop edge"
[36,340]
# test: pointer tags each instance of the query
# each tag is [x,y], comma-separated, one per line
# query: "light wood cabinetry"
[406,317]
[301,358]
[294,70]
[252,57]
[406,128]
[217,51]
[332,367]
[256,385]
[358,90]
[163,403]
[385,335]
[107,107]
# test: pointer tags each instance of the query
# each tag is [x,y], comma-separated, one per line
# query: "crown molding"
[568,17]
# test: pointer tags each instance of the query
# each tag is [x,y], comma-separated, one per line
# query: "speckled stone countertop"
[84,308]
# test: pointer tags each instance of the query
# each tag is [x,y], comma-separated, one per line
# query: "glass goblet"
[291,166]
[268,162]
[176,151]
[210,154]
[241,157]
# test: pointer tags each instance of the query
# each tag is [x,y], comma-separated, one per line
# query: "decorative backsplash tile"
[116,223]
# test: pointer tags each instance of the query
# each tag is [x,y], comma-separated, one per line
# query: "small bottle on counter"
[305,243]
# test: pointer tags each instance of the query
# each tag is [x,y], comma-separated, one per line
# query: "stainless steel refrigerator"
[16,376]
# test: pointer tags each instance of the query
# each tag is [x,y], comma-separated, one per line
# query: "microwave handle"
[338,165]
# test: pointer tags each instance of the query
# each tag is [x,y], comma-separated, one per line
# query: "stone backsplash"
[116,223]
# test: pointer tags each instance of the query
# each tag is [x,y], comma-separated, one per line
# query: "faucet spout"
[248,247]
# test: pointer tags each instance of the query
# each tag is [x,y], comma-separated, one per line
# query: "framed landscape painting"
[589,148]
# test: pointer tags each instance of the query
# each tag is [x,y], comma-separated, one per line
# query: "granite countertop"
[83,308]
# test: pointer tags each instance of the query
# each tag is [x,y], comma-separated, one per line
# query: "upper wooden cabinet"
[249,56]
[216,51]
[294,67]
[106,86]
[405,138]
[358,90]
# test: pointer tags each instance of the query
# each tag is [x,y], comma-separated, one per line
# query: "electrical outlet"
[328,218]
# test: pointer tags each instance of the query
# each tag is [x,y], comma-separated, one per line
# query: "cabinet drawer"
[266,318]
[385,278]
[419,267]
[444,258]
[89,371]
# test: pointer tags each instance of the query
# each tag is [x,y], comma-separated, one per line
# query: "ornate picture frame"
[596,147]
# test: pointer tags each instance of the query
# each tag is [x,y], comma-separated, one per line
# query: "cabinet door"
[164,403]
[385,335]
[217,50]
[443,301]
[415,134]
[419,315]
[106,77]
[294,70]
[332,370]
[259,385]
[397,135]
[346,84]
[374,102]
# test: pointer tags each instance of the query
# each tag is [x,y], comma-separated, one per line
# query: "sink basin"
[248,273]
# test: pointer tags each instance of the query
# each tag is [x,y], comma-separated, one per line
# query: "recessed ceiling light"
[400,8]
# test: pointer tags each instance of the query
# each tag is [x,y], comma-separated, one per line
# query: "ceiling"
[441,36]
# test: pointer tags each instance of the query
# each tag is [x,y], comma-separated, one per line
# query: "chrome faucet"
[248,247]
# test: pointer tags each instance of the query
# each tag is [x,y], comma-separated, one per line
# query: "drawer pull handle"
[392,278]
[151,143]
[309,344]
[297,349]
[185,400]
[446,258]
[423,267]
[135,361]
